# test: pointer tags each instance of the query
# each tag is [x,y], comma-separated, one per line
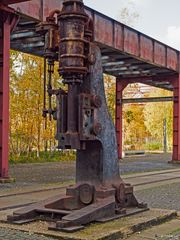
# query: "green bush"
[152,146]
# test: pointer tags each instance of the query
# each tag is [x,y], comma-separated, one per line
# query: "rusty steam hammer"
[84,124]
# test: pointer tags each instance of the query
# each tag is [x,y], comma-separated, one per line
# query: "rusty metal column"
[4,96]
[8,21]
[176,120]
[120,86]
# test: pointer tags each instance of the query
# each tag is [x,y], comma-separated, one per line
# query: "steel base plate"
[67,229]
[129,212]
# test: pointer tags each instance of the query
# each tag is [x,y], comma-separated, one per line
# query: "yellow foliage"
[27,131]
[155,113]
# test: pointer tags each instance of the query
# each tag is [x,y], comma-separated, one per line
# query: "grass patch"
[177,231]
[55,156]
[154,146]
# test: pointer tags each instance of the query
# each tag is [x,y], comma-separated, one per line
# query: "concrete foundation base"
[112,230]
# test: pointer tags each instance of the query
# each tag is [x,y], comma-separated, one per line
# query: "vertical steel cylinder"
[72,58]
[72,21]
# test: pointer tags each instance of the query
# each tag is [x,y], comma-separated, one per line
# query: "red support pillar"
[7,21]
[176,120]
[120,86]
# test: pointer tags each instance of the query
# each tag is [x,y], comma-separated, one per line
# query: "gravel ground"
[7,234]
[147,163]
[29,174]
[165,197]
[170,237]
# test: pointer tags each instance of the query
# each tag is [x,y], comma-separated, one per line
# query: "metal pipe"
[145,100]
[45,82]
[52,13]
[5,28]
[50,72]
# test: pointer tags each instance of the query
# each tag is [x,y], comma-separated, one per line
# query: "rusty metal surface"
[37,9]
[104,168]
[120,86]
[33,9]
[7,22]
[4,95]
[176,119]
[7,2]
[146,50]
[101,23]
[145,100]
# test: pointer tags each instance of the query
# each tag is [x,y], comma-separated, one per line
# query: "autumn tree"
[128,13]
[110,91]
[155,113]
[27,131]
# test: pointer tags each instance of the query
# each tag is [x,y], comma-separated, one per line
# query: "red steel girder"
[176,120]
[120,86]
[113,35]
[144,79]
[4,99]
[6,24]
[7,2]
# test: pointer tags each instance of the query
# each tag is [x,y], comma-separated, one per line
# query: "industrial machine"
[84,124]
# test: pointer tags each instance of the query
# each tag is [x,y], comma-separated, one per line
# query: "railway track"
[161,176]
[20,199]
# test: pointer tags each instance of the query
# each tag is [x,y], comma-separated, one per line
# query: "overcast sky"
[157,18]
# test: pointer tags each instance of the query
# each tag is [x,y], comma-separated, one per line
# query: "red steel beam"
[5,31]
[4,98]
[120,86]
[143,79]
[7,2]
[176,120]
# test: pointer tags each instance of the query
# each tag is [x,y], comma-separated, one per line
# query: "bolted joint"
[96,101]
[97,128]
[91,59]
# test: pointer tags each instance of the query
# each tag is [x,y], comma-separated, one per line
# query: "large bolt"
[96,101]
[97,128]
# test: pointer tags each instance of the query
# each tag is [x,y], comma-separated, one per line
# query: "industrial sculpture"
[84,124]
